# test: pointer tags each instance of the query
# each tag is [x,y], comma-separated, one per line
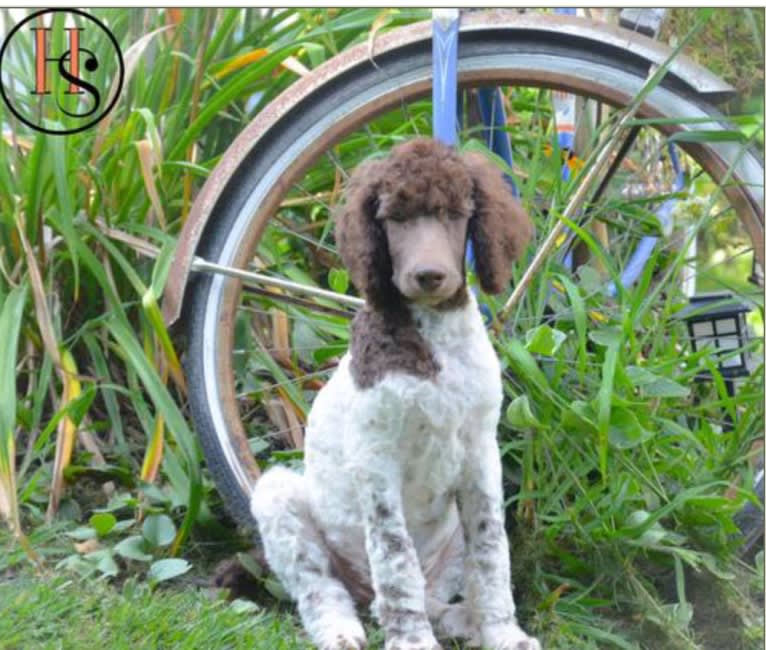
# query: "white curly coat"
[402,493]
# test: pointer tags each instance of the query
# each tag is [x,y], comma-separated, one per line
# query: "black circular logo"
[76,74]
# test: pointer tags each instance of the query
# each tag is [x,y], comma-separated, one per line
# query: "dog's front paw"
[342,635]
[413,642]
[508,636]
[345,642]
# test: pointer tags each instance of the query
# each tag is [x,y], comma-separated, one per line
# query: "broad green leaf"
[544,340]
[242,606]
[102,522]
[519,414]
[524,364]
[167,569]
[338,279]
[162,267]
[133,548]
[253,567]
[625,430]
[640,376]
[275,588]
[65,210]
[158,530]
[655,385]
[665,387]
[82,533]
[104,562]
[579,417]
[606,336]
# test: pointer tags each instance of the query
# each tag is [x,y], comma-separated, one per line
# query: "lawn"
[63,611]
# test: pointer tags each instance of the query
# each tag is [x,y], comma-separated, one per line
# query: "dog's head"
[403,227]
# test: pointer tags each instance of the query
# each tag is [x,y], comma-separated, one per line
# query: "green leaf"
[102,522]
[133,548]
[580,321]
[579,417]
[275,588]
[604,402]
[249,562]
[606,336]
[519,414]
[167,569]
[242,606]
[655,385]
[162,267]
[82,533]
[65,213]
[590,280]
[544,340]
[123,525]
[104,562]
[10,324]
[107,566]
[524,364]
[625,430]
[640,376]
[177,425]
[338,279]
[158,530]
[665,387]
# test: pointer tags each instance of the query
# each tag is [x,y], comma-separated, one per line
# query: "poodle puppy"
[400,505]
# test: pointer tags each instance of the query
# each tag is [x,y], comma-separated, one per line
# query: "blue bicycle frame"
[446,117]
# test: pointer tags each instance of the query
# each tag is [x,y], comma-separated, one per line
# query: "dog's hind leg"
[450,619]
[299,557]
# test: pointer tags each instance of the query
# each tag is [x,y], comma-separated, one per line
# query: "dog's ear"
[499,228]
[361,237]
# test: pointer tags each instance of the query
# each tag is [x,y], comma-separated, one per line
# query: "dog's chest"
[441,419]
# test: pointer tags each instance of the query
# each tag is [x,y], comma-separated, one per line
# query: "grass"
[66,612]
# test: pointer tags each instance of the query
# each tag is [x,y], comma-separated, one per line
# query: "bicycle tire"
[332,109]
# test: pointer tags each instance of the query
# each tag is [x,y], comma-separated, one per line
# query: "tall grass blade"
[166,406]
[11,316]
[66,434]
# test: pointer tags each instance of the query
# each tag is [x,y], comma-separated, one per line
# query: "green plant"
[87,225]
[623,479]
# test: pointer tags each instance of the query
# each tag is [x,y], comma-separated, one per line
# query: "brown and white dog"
[401,501]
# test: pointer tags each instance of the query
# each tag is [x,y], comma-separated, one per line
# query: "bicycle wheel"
[250,376]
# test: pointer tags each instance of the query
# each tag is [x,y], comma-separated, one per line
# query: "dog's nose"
[429,279]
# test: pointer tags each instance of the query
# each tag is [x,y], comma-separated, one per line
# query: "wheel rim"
[528,70]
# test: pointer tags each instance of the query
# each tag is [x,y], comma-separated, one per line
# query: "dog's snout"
[429,279]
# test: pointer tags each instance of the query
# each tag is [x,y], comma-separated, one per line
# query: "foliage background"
[100,472]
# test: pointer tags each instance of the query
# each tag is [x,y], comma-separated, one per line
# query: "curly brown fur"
[362,239]
[231,575]
[423,176]
[420,177]
[382,341]
[499,229]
